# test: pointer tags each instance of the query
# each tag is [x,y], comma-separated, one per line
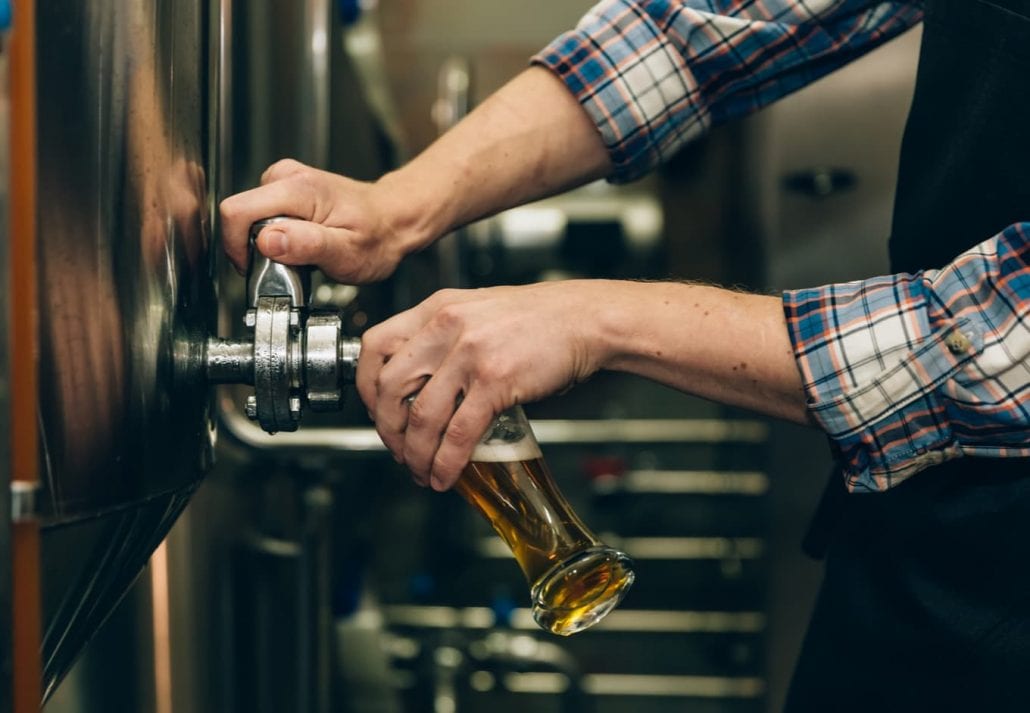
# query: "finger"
[393,404]
[242,210]
[428,415]
[467,426]
[404,374]
[284,168]
[378,345]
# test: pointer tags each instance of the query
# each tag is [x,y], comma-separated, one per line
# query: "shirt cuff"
[632,82]
[906,371]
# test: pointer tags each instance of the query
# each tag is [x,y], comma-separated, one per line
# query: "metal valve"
[296,356]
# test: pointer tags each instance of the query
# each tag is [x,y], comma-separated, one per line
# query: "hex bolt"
[250,319]
[251,407]
[295,407]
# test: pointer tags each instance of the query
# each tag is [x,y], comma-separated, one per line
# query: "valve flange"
[295,356]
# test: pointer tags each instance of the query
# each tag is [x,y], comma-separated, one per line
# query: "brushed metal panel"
[125,282]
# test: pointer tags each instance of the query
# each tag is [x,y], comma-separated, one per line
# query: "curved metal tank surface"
[125,285]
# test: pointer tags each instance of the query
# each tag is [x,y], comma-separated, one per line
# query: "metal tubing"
[558,431]
[318,26]
[229,361]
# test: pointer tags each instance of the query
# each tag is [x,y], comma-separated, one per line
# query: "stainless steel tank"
[125,283]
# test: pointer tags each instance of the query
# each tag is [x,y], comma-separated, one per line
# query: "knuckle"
[378,383]
[494,371]
[449,316]
[460,434]
[446,466]
[442,297]
[283,167]
[377,343]
[229,209]
[304,181]
[319,245]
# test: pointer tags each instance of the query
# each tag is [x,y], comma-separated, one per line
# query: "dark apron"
[925,604]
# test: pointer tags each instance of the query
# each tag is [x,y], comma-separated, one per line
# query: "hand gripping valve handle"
[295,356]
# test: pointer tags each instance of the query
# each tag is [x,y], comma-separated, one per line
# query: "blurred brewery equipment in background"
[303,571]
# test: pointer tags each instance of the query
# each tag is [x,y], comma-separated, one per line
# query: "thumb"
[296,242]
[338,252]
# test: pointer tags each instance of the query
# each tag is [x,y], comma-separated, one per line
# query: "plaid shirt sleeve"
[654,74]
[907,371]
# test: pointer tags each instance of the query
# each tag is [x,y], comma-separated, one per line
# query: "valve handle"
[295,357]
[268,278]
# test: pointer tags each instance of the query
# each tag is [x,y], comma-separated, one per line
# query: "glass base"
[579,592]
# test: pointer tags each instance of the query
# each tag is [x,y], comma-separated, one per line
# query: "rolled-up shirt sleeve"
[654,74]
[910,370]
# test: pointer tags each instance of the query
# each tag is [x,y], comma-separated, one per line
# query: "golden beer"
[575,579]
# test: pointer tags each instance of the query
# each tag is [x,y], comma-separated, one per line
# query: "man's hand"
[466,355]
[349,229]
[469,355]
[528,140]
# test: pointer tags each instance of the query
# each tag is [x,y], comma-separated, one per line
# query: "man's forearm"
[723,345]
[490,348]
[528,140]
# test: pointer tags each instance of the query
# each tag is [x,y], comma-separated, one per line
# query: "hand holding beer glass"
[465,347]
[575,579]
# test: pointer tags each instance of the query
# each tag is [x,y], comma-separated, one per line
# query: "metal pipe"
[318,511]
[318,26]
[229,361]
[557,431]
[451,106]
[24,425]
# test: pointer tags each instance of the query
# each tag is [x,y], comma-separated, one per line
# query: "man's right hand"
[349,229]
[528,140]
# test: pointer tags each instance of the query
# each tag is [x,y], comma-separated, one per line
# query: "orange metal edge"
[23,354]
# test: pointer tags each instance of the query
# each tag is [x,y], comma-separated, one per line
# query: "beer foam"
[500,452]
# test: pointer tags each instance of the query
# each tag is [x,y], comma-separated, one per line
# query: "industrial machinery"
[294,356]
[147,113]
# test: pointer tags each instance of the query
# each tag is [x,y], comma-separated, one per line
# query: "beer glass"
[575,579]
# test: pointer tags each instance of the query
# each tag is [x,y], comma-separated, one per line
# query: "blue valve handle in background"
[5,14]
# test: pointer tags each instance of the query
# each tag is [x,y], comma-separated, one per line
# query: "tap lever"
[268,278]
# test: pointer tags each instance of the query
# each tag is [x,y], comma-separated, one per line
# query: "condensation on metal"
[229,361]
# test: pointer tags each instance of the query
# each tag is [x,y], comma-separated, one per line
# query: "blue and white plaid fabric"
[902,371]
[910,370]
[654,74]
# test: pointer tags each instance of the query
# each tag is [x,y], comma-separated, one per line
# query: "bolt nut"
[295,407]
[250,319]
[294,318]
[251,407]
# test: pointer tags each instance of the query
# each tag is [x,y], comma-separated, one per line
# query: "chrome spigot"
[296,357]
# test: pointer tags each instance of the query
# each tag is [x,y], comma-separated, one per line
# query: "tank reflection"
[124,269]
